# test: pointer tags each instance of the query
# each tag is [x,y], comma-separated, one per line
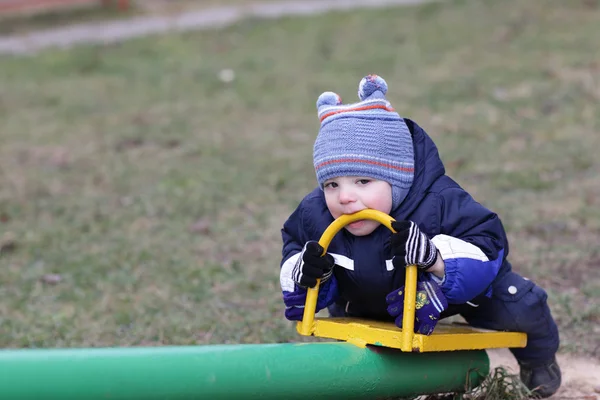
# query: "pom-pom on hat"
[367,138]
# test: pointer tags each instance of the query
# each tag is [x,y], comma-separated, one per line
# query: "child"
[368,156]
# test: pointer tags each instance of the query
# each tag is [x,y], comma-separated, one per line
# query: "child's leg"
[519,305]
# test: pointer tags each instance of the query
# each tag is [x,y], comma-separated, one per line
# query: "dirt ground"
[581,377]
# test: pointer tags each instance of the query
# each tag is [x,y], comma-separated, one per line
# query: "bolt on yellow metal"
[445,337]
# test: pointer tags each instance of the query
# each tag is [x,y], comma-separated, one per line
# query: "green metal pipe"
[266,371]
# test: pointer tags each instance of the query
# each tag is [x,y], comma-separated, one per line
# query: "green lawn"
[141,197]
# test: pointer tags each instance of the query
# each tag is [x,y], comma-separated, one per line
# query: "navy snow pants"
[517,304]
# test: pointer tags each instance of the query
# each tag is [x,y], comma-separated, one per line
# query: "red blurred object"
[9,6]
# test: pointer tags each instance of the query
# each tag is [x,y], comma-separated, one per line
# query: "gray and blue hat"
[367,138]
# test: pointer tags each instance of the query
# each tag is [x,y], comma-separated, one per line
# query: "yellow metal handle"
[410,289]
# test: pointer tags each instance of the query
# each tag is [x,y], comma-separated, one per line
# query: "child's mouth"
[356,224]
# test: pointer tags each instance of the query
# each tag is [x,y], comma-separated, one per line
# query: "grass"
[498,385]
[141,197]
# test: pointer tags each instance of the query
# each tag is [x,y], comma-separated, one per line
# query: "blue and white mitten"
[430,303]
[295,301]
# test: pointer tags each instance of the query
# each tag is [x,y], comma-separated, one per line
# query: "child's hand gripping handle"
[408,320]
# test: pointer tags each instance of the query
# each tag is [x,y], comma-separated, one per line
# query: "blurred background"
[144,183]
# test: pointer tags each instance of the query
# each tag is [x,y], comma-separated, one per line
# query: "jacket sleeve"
[294,237]
[473,244]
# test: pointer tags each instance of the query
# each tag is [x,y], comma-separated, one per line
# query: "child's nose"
[347,196]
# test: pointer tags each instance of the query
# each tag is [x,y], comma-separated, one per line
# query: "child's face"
[350,194]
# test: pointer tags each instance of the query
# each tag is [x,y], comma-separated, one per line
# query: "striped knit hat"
[368,138]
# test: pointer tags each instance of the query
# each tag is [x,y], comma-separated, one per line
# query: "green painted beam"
[266,371]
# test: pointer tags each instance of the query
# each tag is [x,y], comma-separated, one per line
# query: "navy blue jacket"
[470,238]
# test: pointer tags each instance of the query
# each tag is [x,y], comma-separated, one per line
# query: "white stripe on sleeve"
[451,247]
[287,271]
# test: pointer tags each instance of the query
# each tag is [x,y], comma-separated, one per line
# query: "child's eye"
[332,185]
[363,181]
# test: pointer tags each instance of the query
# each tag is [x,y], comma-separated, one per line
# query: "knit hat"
[367,138]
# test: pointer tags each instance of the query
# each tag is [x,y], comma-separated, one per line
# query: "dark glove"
[430,303]
[312,266]
[410,246]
